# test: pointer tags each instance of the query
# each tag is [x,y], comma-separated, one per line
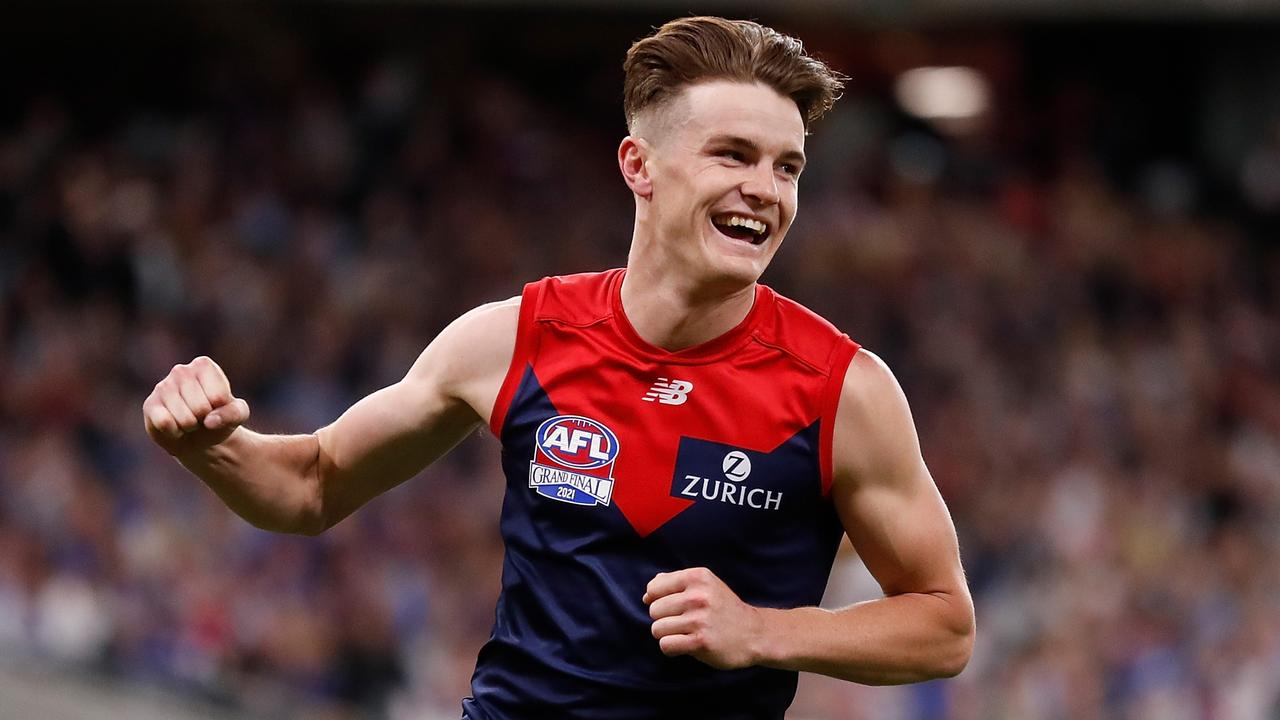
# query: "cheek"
[790,205]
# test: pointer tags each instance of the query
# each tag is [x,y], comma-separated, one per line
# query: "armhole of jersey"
[841,357]
[526,343]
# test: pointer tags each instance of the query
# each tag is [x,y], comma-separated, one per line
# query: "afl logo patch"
[573,460]
[577,442]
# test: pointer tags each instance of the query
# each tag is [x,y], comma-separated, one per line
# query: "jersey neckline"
[714,349]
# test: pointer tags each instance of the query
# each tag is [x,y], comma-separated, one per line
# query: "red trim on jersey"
[526,345]
[839,366]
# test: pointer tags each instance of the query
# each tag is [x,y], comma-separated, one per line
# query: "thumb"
[228,416]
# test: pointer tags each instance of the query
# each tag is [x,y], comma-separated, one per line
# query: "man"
[682,445]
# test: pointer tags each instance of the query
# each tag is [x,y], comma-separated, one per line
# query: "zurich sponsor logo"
[736,467]
[573,460]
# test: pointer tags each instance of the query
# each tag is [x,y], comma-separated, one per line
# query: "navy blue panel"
[571,637]
[770,535]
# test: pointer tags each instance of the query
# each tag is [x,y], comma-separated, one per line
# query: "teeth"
[754,226]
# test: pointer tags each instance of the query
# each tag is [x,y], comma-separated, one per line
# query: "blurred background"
[1058,222]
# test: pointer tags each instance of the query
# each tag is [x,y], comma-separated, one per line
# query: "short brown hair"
[689,50]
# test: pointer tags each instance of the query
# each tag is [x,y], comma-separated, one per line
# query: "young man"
[683,446]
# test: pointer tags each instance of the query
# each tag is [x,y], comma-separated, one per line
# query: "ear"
[633,155]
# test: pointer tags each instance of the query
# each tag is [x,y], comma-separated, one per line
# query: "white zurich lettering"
[688,490]
[700,488]
[669,392]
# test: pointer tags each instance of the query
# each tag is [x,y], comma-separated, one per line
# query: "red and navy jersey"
[624,460]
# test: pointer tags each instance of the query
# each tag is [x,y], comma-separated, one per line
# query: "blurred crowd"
[1095,375]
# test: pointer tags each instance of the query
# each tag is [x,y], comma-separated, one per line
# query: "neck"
[674,313]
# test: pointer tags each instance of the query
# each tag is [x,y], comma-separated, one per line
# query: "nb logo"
[669,392]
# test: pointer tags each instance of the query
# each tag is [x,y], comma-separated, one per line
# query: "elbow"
[959,646]
[310,526]
[306,526]
[312,517]
[955,660]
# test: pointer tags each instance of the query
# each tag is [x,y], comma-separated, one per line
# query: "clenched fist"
[193,408]
[695,613]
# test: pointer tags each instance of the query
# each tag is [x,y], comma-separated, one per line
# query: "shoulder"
[468,359]
[485,326]
[874,430]
[868,384]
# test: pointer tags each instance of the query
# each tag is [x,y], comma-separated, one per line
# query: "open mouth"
[740,227]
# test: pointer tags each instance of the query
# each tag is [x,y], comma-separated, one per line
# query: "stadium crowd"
[1095,375]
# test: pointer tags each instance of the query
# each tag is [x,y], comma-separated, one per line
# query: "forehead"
[748,110]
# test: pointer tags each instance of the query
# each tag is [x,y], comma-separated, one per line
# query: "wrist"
[200,455]
[768,648]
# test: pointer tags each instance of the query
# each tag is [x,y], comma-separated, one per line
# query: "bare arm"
[924,625]
[922,628]
[307,483]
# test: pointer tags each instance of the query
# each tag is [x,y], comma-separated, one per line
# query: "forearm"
[269,480]
[898,639]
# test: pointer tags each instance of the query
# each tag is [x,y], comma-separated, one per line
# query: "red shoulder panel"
[813,340]
[580,300]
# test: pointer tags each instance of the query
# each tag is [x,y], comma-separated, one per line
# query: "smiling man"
[683,446]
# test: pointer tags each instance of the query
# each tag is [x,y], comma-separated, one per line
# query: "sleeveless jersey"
[624,460]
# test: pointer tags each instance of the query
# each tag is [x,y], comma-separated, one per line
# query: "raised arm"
[307,483]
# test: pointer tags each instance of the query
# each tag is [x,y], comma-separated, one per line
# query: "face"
[722,161]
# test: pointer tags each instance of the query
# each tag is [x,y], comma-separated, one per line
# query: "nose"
[761,185]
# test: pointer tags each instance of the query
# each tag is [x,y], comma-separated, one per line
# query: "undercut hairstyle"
[696,49]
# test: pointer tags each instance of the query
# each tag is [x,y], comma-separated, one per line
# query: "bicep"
[392,434]
[887,501]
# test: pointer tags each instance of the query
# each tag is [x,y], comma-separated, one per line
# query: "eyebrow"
[791,156]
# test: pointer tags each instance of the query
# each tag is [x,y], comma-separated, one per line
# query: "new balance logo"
[669,392]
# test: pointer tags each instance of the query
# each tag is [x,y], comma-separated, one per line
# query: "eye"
[790,169]
[734,155]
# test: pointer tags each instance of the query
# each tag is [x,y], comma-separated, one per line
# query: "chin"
[735,272]
[731,261]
